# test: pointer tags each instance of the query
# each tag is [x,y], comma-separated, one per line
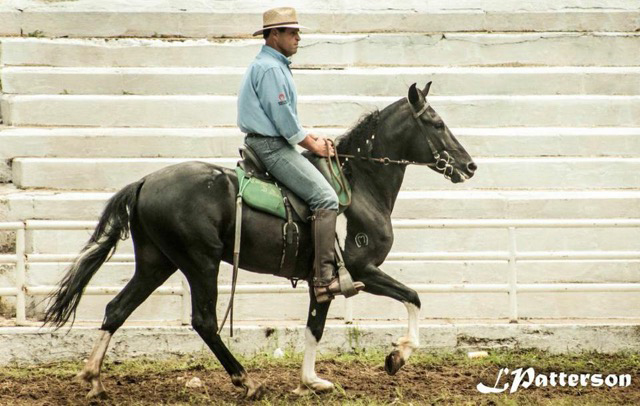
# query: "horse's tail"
[113,226]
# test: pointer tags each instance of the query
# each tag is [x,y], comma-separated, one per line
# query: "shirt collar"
[268,50]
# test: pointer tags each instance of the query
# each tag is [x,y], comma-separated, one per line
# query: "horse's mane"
[356,137]
[354,141]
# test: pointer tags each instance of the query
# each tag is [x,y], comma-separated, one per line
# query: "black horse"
[183,217]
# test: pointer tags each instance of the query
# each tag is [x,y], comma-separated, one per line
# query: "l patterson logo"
[282,99]
[529,377]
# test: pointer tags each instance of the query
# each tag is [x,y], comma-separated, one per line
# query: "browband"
[422,110]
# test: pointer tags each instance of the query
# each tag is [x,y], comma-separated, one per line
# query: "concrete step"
[436,204]
[122,142]
[414,243]
[450,305]
[192,18]
[366,307]
[213,111]
[354,81]
[493,173]
[316,50]
[5,171]
[32,345]
[409,272]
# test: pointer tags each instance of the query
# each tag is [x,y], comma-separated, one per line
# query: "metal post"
[21,303]
[186,302]
[513,277]
[348,311]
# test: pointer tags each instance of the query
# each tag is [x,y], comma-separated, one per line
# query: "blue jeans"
[294,171]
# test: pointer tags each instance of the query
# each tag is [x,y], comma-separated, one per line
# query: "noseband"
[443,158]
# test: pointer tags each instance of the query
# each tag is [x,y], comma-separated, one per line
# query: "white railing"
[511,255]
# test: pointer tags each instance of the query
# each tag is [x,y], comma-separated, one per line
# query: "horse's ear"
[414,94]
[425,91]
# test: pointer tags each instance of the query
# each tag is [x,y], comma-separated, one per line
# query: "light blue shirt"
[267,100]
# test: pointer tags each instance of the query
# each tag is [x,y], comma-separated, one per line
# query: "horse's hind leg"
[153,268]
[309,381]
[91,371]
[204,295]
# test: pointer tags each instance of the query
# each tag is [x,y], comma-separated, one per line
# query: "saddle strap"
[236,256]
[290,243]
[344,277]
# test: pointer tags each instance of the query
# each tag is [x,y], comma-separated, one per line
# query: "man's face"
[287,41]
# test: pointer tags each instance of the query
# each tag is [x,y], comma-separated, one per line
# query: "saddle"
[262,192]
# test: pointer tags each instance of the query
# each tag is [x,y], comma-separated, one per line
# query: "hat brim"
[280,26]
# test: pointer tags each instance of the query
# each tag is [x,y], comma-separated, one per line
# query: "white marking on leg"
[91,370]
[309,361]
[411,340]
[413,331]
[341,230]
[309,381]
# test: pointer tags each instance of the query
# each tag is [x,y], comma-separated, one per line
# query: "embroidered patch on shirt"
[282,99]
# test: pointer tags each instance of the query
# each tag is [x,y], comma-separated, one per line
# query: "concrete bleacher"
[545,95]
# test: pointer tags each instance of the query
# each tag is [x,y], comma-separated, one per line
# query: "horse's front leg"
[379,283]
[309,381]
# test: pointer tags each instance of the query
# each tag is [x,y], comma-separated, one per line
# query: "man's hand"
[318,145]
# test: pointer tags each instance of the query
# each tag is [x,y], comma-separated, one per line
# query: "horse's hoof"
[97,394]
[317,386]
[302,390]
[255,392]
[83,376]
[393,362]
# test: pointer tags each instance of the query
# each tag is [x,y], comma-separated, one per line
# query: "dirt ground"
[428,380]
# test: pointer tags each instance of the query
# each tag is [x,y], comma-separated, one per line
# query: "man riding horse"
[267,113]
[184,216]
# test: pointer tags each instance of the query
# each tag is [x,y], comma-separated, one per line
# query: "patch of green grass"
[57,369]
[36,34]
[539,360]
[354,334]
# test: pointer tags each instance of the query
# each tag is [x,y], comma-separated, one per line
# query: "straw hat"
[279,17]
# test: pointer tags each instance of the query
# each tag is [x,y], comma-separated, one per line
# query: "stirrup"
[346,286]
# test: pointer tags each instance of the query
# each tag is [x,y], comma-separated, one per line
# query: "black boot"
[325,282]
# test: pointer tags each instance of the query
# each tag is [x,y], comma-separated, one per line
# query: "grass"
[539,360]
[36,34]
[444,378]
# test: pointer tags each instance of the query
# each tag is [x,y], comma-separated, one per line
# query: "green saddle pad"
[266,196]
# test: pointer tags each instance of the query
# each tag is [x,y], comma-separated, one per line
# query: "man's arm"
[272,94]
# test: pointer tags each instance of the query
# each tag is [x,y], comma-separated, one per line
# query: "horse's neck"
[374,181]
[378,184]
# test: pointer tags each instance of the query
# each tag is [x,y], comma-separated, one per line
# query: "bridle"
[443,159]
